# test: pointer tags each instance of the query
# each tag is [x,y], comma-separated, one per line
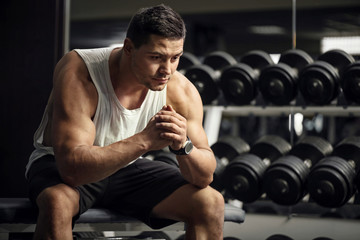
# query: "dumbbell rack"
[214,114]
[305,220]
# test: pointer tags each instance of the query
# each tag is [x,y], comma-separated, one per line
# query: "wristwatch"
[185,150]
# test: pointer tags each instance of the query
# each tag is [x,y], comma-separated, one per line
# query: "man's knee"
[210,204]
[60,199]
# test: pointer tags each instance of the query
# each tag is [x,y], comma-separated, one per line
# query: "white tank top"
[113,122]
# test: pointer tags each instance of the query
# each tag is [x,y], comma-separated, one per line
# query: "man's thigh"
[44,174]
[138,188]
[186,201]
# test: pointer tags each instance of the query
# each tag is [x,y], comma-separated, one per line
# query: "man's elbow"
[68,175]
[69,179]
[203,182]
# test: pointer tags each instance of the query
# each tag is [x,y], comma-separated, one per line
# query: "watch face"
[188,147]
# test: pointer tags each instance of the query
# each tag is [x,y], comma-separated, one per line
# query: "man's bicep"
[70,130]
[72,111]
[196,131]
[197,134]
[194,114]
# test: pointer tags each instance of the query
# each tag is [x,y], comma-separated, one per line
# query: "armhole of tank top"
[38,137]
[97,87]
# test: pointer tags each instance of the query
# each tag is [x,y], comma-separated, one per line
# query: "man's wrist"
[186,148]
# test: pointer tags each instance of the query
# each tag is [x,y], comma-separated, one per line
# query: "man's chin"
[158,87]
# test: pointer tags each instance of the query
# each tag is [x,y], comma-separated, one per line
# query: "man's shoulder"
[179,80]
[71,68]
[71,58]
[70,62]
[181,92]
[179,83]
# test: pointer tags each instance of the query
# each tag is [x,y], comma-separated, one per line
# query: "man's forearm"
[86,164]
[198,167]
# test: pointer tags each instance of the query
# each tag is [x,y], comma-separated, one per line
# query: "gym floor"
[266,227]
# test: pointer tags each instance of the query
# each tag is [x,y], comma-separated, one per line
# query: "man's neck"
[130,94]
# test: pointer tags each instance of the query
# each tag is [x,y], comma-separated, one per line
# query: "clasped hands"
[172,126]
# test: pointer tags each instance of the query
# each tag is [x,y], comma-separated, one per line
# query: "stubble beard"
[154,85]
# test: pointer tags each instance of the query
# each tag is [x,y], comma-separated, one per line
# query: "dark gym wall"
[33,44]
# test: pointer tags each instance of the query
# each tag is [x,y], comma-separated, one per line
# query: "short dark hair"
[158,20]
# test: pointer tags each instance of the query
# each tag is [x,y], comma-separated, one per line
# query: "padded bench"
[18,216]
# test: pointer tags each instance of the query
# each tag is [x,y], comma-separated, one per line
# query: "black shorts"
[132,191]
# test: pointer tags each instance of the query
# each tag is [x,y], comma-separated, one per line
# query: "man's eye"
[175,58]
[155,57]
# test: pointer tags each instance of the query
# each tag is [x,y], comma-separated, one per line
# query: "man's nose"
[165,67]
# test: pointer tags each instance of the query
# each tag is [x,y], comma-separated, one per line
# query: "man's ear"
[128,46]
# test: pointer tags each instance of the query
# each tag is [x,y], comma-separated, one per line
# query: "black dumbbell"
[219,59]
[182,237]
[278,82]
[206,76]
[225,150]
[350,82]
[331,181]
[279,237]
[147,235]
[187,60]
[319,82]
[244,174]
[166,157]
[322,238]
[239,81]
[285,179]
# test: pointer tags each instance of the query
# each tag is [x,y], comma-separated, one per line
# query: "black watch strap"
[185,150]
